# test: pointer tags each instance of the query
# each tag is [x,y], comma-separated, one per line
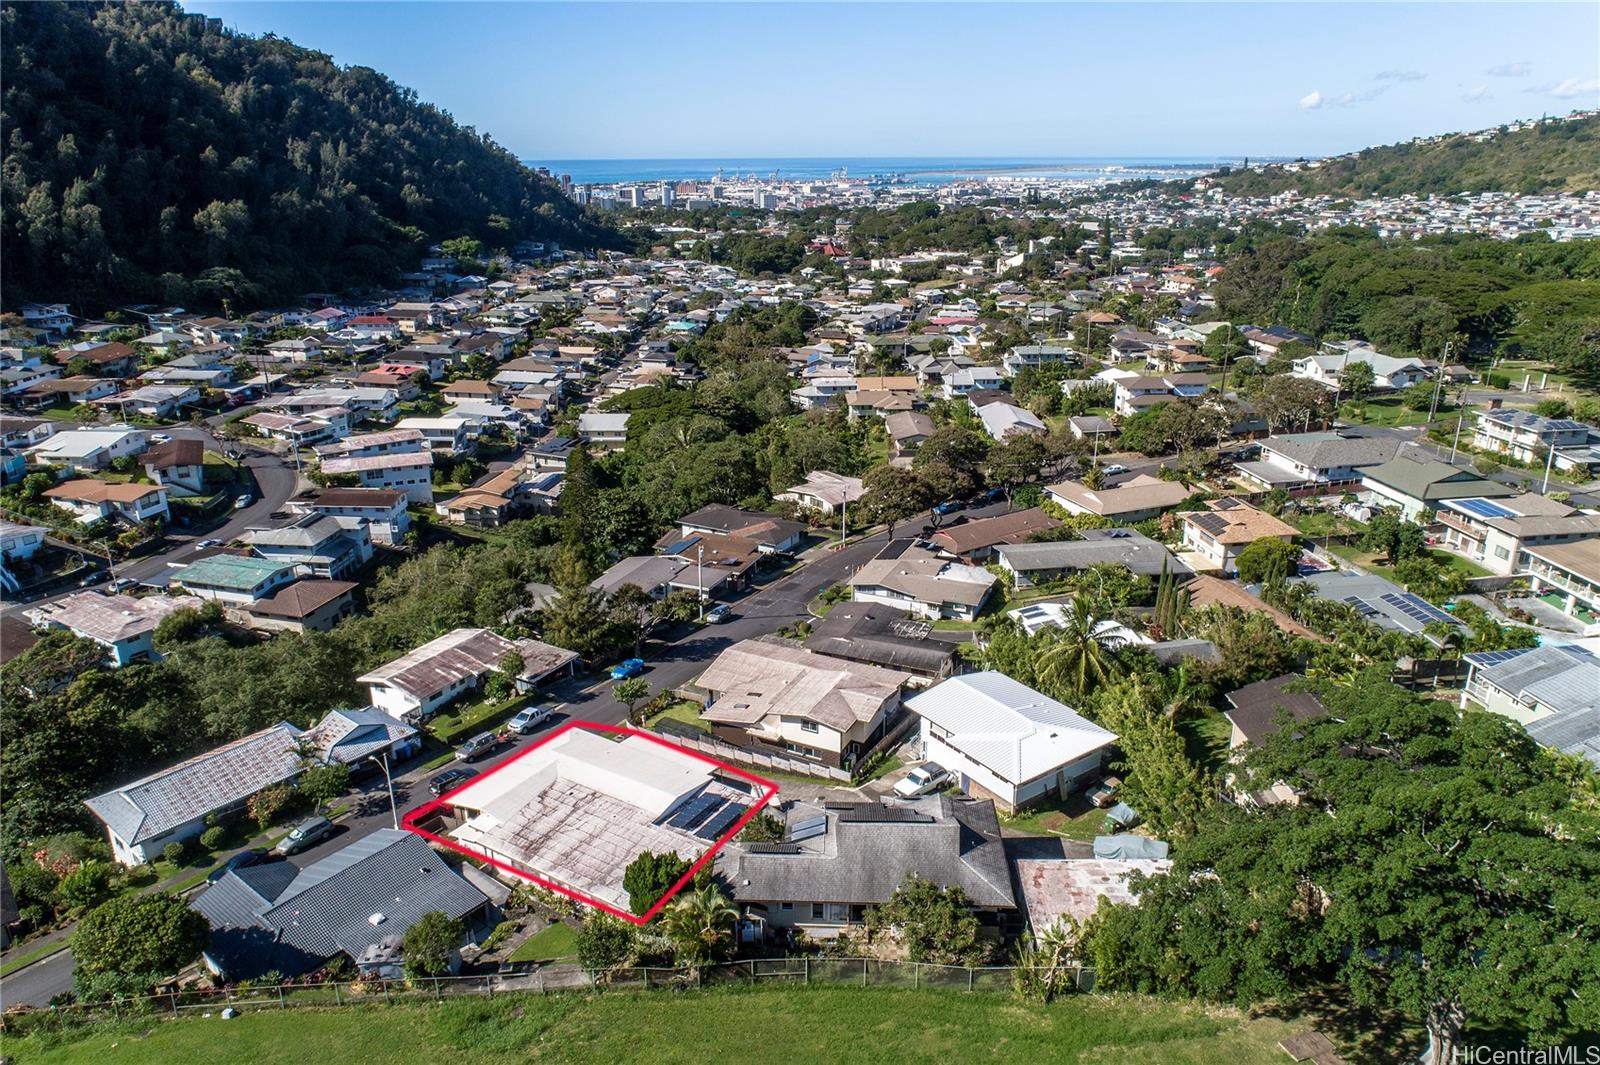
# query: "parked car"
[305,834]
[719,613]
[96,577]
[949,506]
[1103,792]
[632,667]
[1114,469]
[121,584]
[478,746]
[450,779]
[922,780]
[201,545]
[994,495]
[242,860]
[243,501]
[528,719]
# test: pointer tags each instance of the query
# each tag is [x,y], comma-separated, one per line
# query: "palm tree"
[1079,658]
[700,925]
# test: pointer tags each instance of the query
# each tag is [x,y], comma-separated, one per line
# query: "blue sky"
[598,80]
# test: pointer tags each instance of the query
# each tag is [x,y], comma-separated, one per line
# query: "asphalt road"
[763,609]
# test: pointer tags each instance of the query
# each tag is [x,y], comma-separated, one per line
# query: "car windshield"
[919,775]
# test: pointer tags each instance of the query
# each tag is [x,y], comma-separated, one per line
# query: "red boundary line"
[409,821]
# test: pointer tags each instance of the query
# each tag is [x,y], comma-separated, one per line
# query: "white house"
[89,501]
[1005,741]
[1388,373]
[410,472]
[417,684]
[603,428]
[1525,436]
[823,492]
[90,449]
[924,583]
[122,624]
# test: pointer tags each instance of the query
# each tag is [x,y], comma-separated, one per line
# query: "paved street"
[764,609]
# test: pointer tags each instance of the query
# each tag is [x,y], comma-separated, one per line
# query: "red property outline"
[409,821]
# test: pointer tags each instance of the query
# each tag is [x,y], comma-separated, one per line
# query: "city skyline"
[619,81]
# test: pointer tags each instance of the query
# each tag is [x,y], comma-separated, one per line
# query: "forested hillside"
[151,155]
[1554,156]
[1530,296]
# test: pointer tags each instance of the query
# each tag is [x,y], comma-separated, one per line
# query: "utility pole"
[1461,414]
[394,808]
[1549,461]
[699,576]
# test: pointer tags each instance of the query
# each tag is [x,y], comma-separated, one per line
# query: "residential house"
[1206,591]
[1498,533]
[655,575]
[1253,710]
[603,429]
[1569,573]
[839,859]
[971,378]
[771,694]
[1006,742]
[877,635]
[122,624]
[1135,499]
[316,544]
[1381,602]
[1388,373]
[1228,526]
[910,578]
[309,605]
[773,534]
[66,392]
[162,402]
[1036,355]
[452,434]
[1003,420]
[178,465]
[355,903]
[108,360]
[823,492]
[908,429]
[87,450]
[975,540]
[410,472]
[1321,462]
[234,580]
[383,509]
[89,501]
[1528,437]
[419,683]
[1417,485]
[1552,691]
[301,432]
[1034,564]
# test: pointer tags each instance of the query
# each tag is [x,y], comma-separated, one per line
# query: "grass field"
[790,1025]
[557,941]
[1073,818]
[1206,740]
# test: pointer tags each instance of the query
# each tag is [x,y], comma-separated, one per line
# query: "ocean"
[913,170]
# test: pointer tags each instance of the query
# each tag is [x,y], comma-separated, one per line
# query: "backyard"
[556,941]
[1074,818]
[792,1024]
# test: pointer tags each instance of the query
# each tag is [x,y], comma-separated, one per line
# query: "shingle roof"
[301,599]
[1125,547]
[756,678]
[865,855]
[1256,706]
[158,803]
[259,922]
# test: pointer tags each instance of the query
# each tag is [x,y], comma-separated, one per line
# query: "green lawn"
[1206,739]
[1388,412]
[685,712]
[791,1024]
[557,941]
[1074,818]
[476,717]
[1373,563]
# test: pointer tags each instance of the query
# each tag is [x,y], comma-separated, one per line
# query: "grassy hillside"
[791,1026]
[151,155]
[1556,156]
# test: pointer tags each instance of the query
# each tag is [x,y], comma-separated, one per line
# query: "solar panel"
[872,812]
[694,811]
[1415,608]
[723,821]
[1494,658]
[810,828]
[773,848]
[1365,609]
[1484,508]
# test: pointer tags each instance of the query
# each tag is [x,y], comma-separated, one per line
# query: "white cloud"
[1476,93]
[1400,75]
[1311,101]
[1511,70]
[1566,90]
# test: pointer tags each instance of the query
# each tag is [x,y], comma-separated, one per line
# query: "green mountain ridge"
[149,154]
[1556,155]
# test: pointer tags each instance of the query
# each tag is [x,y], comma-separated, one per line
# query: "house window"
[808,726]
[1501,552]
[816,911]
[786,906]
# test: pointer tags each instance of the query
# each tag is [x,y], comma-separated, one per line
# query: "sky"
[575,80]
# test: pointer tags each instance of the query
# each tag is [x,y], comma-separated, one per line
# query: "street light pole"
[382,758]
[1549,461]
[700,577]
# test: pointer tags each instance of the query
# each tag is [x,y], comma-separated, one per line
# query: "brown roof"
[985,532]
[102,354]
[1213,591]
[89,490]
[1233,521]
[359,497]
[301,599]
[1256,706]
[180,451]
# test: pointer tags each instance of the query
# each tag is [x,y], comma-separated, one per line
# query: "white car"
[718,614]
[528,719]
[922,780]
[1115,469]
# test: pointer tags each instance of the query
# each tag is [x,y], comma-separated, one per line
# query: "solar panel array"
[1415,608]
[1365,608]
[694,811]
[1494,658]
[1484,508]
[773,848]
[869,812]
[722,821]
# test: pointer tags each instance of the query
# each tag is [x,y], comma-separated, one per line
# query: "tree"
[1142,432]
[1268,561]
[146,937]
[1356,379]
[957,452]
[605,942]
[324,783]
[1159,780]
[700,924]
[577,619]
[893,494]
[630,692]
[762,828]
[1396,538]
[1017,460]
[86,886]
[503,681]
[935,924]
[430,944]
[1077,657]
[1437,864]
[649,877]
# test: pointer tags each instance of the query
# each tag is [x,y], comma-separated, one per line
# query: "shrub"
[324,783]
[85,886]
[173,852]
[213,838]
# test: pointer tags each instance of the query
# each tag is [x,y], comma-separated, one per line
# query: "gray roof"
[274,917]
[868,850]
[348,736]
[156,804]
[1124,547]
[645,572]
[1341,447]
[881,636]
[1425,479]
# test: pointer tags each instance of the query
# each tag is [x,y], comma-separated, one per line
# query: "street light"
[382,758]
[700,577]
